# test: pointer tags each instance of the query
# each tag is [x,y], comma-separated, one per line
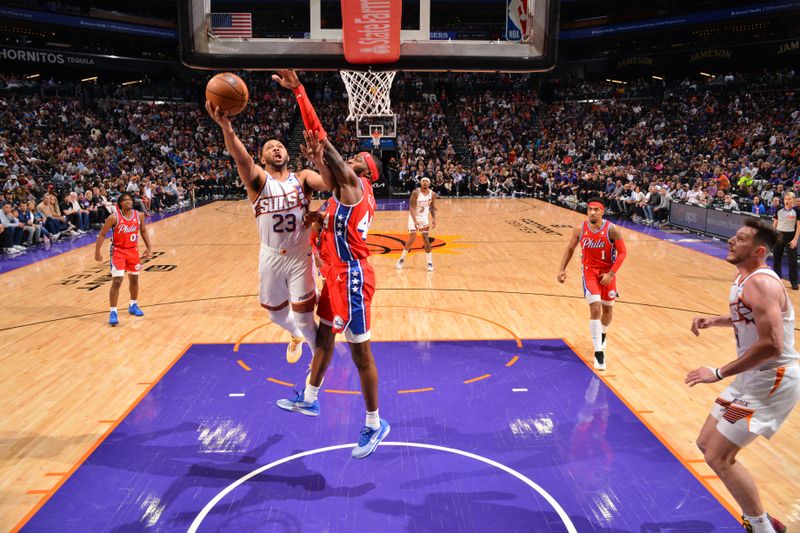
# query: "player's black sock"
[604,338]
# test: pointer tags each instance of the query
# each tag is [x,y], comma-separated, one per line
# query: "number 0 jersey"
[344,230]
[279,211]
[126,231]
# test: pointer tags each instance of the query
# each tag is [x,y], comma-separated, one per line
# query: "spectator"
[758,207]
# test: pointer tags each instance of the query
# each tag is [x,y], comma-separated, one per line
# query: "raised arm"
[345,181]
[322,181]
[252,175]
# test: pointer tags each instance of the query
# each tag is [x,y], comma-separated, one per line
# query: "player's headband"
[597,205]
[425,179]
[373,168]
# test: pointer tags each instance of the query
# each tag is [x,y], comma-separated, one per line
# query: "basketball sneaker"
[134,310]
[430,267]
[299,405]
[294,350]
[599,360]
[112,318]
[369,439]
[399,264]
[604,342]
[777,525]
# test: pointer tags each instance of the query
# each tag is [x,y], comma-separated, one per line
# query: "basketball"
[228,92]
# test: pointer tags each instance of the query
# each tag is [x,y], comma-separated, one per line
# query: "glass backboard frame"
[324,50]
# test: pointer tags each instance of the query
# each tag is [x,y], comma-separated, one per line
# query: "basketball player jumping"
[767,383]
[602,254]
[280,201]
[419,206]
[128,224]
[344,305]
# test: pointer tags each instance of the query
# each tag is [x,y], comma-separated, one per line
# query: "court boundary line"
[52,491]
[81,247]
[656,433]
[82,459]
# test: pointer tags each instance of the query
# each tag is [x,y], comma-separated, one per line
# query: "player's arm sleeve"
[310,119]
[622,252]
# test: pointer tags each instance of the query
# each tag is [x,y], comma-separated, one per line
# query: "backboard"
[436,35]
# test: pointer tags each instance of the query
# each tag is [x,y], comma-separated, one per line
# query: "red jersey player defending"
[344,305]
[602,253]
[128,224]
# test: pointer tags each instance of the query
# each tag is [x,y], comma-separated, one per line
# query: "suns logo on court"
[386,243]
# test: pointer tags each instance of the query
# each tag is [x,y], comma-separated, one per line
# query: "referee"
[786,222]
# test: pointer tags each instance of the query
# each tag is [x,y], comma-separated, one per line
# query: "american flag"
[231,25]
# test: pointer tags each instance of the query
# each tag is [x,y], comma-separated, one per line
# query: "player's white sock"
[429,255]
[310,393]
[133,302]
[373,420]
[113,309]
[305,322]
[605,328]
[761,524]
[596,330]
[284,319]
[403,255]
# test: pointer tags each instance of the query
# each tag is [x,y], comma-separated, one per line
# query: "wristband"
[718,374]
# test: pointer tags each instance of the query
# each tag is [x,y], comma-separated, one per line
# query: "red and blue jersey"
[597,248]
[343,238]
[126,231]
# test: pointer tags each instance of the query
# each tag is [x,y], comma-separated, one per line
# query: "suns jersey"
[126,231]
[279,211]
[745,326]
[597,248]
[423,205]
[344,228]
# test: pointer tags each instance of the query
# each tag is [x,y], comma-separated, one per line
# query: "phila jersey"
[126,230]
[597,248]
[344,229]
[745,326]
[279,211]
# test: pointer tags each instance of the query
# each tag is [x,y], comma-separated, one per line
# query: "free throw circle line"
[227,490]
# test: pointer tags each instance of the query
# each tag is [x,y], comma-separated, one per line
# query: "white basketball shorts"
[285,276]
[757,403]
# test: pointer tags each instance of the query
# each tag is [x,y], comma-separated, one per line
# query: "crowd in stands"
[730,143]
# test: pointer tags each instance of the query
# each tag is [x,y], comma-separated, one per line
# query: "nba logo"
[516,19]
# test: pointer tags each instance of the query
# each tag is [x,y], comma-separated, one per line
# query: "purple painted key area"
[568,435]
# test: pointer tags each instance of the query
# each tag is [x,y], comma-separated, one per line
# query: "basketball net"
[376,139]
[368,92]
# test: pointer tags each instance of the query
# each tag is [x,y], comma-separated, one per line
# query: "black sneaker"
[599,360]
[795,287]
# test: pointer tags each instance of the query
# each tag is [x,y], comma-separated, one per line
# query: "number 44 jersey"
[279,211]
[345,227]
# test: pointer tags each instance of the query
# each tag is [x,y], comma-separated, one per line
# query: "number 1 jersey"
[345,227]
[279,211]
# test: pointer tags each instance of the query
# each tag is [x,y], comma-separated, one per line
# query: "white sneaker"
[294,350]
[430,267]
[399,264]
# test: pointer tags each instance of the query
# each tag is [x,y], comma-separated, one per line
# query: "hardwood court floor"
[67,377]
